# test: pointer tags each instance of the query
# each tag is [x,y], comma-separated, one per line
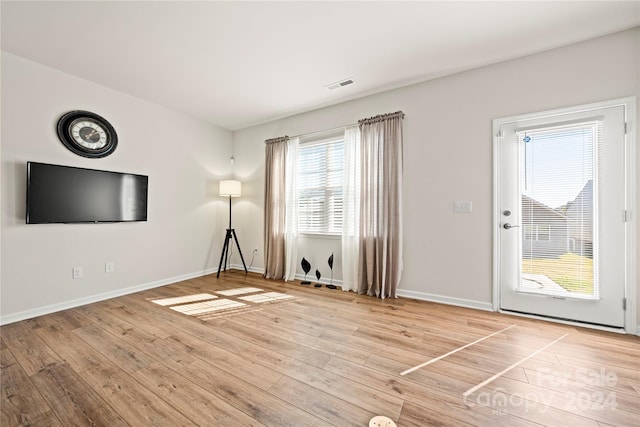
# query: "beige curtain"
[275,207]
[380,260]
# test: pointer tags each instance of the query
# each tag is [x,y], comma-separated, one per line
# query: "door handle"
[507,226]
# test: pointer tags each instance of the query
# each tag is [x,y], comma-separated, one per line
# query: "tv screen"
[64,194]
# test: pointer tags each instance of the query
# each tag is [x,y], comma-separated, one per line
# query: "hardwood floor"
[314,357]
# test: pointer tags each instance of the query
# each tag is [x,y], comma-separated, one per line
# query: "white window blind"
[537,232]
[320,176]
[559,205]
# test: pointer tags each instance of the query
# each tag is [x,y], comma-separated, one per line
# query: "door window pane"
[557,172]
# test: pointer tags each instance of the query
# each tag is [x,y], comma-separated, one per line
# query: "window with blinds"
[320,176]
[559,205]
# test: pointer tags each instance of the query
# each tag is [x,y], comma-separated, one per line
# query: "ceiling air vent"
[336,85]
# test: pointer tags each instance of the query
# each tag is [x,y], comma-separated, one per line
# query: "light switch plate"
[462,206]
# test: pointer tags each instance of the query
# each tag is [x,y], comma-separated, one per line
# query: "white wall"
[448,153]
[183,157]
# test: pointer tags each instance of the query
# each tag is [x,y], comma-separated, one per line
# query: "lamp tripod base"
[231,235]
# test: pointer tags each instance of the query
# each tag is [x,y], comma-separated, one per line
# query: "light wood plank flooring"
[311,357]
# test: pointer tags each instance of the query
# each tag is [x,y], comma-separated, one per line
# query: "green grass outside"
[572,272]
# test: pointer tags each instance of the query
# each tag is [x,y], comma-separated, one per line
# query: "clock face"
[87,134]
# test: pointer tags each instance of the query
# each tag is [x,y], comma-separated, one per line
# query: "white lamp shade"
[230,188]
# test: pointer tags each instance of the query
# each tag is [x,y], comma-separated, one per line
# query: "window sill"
[320,236]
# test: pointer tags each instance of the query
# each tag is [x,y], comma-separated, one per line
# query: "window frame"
[307,143]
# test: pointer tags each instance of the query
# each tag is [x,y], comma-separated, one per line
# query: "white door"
[561,217]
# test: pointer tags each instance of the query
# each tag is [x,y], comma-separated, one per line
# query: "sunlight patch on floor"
[183,299]
[200,308]
[207,306]
[238,291]
[266,297]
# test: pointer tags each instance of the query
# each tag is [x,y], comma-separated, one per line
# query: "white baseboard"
[48,309]
[460,302]
[250,269]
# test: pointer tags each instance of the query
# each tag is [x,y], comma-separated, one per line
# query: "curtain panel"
[380,251]
[275,207]
[291,208]
[351,209]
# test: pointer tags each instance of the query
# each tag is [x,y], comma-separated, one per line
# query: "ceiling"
[236,64]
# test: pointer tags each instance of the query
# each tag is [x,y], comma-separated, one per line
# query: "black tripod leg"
[227,252]
[239,251]
[225,248]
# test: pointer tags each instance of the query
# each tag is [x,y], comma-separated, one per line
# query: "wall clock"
[87,134]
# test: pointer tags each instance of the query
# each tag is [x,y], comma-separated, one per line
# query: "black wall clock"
[87,134]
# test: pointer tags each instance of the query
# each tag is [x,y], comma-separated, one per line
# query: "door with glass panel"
[561,200]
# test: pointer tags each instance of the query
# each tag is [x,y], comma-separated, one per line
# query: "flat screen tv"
[64,194]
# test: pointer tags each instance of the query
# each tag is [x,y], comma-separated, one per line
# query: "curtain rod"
[367,120]
[324,131]
[278,139]
[373,119]
[381,117]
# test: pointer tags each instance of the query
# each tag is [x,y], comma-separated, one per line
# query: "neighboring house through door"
[550,233]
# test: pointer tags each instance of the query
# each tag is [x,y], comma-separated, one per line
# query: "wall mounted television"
[65,194]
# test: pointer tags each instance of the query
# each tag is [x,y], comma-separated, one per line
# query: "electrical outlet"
[77,273]
[109,266]
[462,206]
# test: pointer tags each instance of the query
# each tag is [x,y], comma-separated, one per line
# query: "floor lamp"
[230,188]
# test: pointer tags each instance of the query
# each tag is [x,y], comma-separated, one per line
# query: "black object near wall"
[65,194]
